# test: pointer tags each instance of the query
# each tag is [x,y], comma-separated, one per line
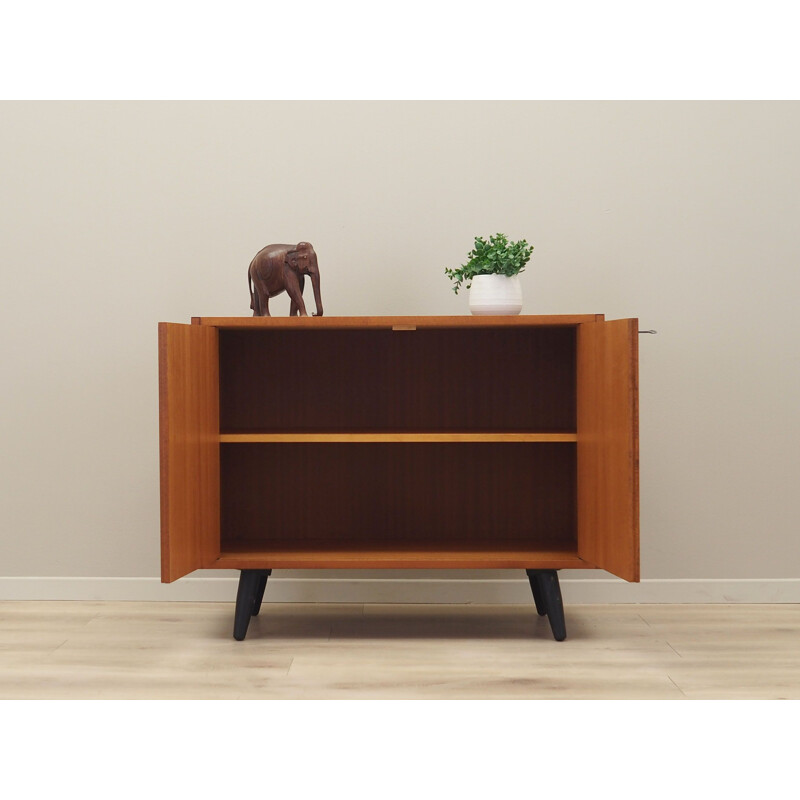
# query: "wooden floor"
[186,650]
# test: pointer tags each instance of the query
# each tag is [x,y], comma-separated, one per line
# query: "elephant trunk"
[317,297]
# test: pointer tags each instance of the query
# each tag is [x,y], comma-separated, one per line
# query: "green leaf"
[497,256]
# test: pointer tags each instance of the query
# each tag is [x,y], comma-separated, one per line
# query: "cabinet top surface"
[399,323]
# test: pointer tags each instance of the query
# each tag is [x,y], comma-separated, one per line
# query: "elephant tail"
[250,286]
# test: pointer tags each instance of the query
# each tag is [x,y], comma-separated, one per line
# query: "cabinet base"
[544,585]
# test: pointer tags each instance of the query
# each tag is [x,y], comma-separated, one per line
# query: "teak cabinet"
[399,442]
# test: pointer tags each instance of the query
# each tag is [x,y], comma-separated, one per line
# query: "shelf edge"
[354,438]
[365,559]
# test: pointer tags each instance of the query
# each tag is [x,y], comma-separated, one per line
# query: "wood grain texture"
[398,323]
[256,556]
[415,496]
[169,650]
[511,380]
[396,437]
[392,442]
[608,446]
[189,448]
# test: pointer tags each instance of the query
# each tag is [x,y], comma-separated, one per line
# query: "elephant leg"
[293,307]
[259,304]
[262,304]
[294,288]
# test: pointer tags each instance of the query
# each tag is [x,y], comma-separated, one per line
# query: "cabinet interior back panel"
[513,379]
[411,495]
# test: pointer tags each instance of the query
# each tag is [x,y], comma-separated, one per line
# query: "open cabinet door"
[188,371]
[608,446]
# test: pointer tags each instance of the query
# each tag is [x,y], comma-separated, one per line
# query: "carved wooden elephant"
[283,267]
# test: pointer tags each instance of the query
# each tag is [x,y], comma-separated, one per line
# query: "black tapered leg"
[533,579]
[262,584]
[245,601]
[548,581]
[544,582]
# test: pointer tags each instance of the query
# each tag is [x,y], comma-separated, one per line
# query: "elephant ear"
[291,258]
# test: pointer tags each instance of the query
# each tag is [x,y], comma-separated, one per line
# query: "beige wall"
[117,215]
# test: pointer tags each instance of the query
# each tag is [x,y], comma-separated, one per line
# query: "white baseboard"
[399,590]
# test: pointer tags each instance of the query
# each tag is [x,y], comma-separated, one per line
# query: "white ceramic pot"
[495,294]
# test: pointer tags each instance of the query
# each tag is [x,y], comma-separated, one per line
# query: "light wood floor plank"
[54,650]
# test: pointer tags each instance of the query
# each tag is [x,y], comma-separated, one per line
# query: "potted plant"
[492,275]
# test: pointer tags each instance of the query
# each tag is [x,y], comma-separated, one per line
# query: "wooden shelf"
[353,438]
[404,323]
[261,557]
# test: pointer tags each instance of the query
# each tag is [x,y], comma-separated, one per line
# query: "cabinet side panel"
[189,447]
[608,446]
